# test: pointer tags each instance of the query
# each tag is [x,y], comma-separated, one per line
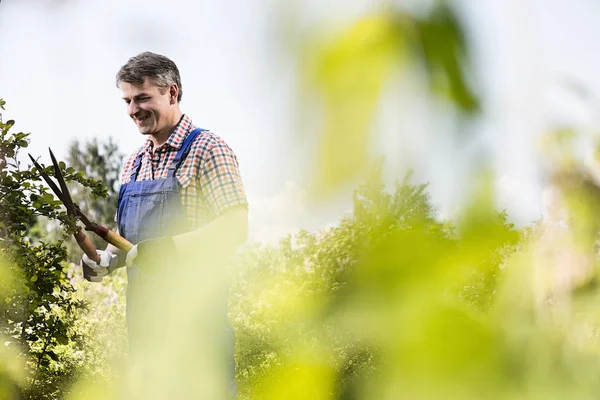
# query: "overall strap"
[136,168]
[184,151]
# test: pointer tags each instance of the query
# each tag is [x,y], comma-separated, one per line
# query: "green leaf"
[62,339]
[33,337]
[47,197]
[21,135]
[350,73]
[52,355]
[49,297]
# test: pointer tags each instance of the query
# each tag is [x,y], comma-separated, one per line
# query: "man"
[183,205]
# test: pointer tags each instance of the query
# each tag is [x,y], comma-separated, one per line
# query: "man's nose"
[132,108]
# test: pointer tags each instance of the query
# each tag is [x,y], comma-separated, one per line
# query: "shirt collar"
[177,137]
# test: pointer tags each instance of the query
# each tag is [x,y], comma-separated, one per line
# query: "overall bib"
[150,210]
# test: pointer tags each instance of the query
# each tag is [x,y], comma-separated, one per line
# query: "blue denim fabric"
[153,209]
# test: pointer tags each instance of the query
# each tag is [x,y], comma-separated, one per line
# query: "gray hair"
[161,70]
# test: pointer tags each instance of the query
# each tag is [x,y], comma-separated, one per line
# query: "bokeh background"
[423,188]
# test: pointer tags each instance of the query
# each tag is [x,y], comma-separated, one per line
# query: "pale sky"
[58,59]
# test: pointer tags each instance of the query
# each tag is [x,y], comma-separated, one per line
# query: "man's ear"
[173,93]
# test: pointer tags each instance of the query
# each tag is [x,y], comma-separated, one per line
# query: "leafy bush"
[39,306]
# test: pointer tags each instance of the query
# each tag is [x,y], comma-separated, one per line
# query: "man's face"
[148,106]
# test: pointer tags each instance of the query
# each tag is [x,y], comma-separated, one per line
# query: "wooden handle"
[118,241]
[87,246]
[111,237]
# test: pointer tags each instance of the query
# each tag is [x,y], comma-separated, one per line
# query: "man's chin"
[145,131]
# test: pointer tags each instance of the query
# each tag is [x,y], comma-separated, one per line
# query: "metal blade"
[66,196]
[49,181]
[72,207]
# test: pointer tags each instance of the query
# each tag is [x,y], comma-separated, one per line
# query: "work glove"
[94,272]
[152,252]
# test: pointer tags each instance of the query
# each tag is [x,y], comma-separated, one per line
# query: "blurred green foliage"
[348,71]
[391,303]
[323,315]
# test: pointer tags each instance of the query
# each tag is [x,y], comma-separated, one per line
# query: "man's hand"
[152,252]
[93,271]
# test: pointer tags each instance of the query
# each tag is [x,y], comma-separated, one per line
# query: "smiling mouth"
[142,119]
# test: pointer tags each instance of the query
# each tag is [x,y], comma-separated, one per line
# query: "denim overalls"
[149,210]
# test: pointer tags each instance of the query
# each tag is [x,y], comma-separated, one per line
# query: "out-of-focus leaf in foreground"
[12,367]
[350,70]
[443,48]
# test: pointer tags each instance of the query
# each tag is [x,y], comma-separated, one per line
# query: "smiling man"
[182,202]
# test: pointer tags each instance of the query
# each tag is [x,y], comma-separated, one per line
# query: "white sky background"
[58,59]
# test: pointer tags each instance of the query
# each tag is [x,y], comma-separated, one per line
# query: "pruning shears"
[73,209]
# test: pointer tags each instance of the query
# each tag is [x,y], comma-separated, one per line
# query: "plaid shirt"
[209,178]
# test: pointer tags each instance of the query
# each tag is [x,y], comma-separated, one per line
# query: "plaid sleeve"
[220,179]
